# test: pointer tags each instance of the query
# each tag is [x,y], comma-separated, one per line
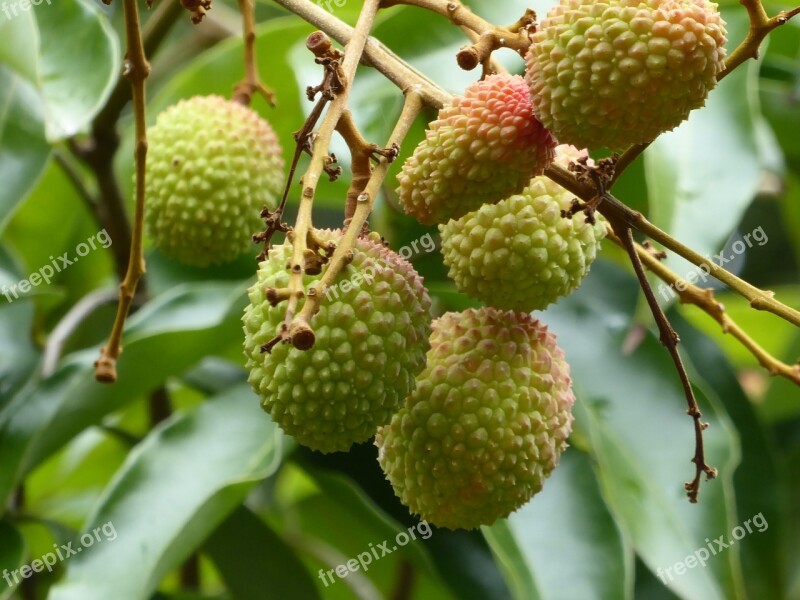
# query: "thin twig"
[252,83]
[612,208]
[705,300]
[669,339]
[458,14]
[136,70]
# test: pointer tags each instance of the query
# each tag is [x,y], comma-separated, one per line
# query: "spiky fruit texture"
[212,166]
[521,254]
[486,424]
[611,74]
[481,148]
[371,337]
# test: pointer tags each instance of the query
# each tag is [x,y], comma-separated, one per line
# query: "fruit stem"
[136,69]
[412,106]
[319,153]
[705,300]
[244,90]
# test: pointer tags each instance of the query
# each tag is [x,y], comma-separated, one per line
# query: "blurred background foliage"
[210,500]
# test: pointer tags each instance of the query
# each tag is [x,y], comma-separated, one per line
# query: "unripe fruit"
[521,254]
[482,147]
[486,424]
[371,338]
[615,73]
[212,166]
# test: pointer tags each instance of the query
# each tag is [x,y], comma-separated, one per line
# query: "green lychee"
[371,337]
[486,424]
[615,73]
[484,146]
[521,254]
[212,166]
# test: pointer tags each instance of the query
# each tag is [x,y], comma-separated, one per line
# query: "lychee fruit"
[484,146]
[212,166]
[371,337]
[521,253]
[615,73]
[486,424]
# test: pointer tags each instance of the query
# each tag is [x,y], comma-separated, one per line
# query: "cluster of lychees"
[470,431]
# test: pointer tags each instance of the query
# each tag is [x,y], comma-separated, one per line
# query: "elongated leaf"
[173,491]
[567,518]
[702,176]
[24,152]
[633,412]
[169,335]
[256,563]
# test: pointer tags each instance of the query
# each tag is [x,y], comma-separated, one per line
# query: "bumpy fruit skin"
[212,166]
[481,148]
[611,74]
[371,337]
[521,254]
[486,424]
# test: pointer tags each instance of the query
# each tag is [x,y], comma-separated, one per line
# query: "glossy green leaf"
[174,490]
[567,518]
[170,334]
[702,176]
[75,72]
[255,563]
[632,410]
[24,152]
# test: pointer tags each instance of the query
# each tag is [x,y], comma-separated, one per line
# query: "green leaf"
[24,152]
[18,356]
[255,562]
[12,553]
[77,71]
[632,411]
[51,84]
[174,490]
[567,518]
[166,337]
[703,176]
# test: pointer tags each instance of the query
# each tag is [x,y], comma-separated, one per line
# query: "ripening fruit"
[371,338]
[615,73]
[212,166]
[521,254]
[482,147]
[486,424]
